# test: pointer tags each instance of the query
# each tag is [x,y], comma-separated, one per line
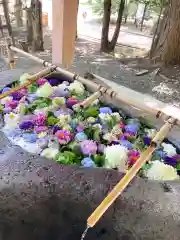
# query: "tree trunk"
[37,42]
[166,46]
[29,27]
[144,13]
[107,46]
[7,18]
[105,26]
[18,13]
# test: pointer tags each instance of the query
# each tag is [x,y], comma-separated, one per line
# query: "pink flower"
[133,157]
[40,119]
[39,129]
[64,136]
[12,104]
[80,128]
[88,147]
[41,81]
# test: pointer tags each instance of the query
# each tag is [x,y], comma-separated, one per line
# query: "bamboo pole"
[10,54]
[31,80]
[88,101]
[164,113]
[123,183]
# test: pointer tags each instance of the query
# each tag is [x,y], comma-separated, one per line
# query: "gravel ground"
[88,58]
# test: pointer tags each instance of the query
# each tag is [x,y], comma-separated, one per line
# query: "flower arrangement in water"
[46,115]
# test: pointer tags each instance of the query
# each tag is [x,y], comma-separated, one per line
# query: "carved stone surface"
[42,200]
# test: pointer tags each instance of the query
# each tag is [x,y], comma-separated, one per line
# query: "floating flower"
[40,119]
[19,94]
[126,144]
[161,171]
[45,90]
[169,149]
[71,102]
[41,81]
[88,162]
[54,81]
[12,104]
[116,115]
[117,131]
[160,153]
[7,110]
[133,157]
[30,137]
[64,120]
[11,120]
[105,110]
[6,89]
[131,128]
[59,101]
[88,147]
[26,126]
[24,78]
[172,161]
[105,117]
[50,153]
[109,137]
[64,136]
[32,97]
[91,120]
[116,156]
[80,137]
[76,88]
[5,100]
[61,91]
[101,148]
[56,128]
[66,83]
[150,132]
[147,140]
[39,129]
[80,128]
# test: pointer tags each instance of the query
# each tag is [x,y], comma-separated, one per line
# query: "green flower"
[99,160]
[67,157]
[32,88]
[52,121]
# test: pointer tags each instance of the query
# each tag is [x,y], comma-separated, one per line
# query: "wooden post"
[10,54]
[64,21]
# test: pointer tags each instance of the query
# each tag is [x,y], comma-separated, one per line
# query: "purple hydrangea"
[147,140]
[30,137]
[127,144]
[26,125]
[131,128]
[88,162]
[105,110]
[54,82]
[171,161]
[88,147]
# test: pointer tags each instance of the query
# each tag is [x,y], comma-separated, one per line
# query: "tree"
[106,45]
[166,46]
[7,18]
[18,13]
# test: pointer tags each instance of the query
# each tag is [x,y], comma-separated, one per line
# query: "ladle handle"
[118,189]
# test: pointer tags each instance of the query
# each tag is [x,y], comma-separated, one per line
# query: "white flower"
[161,171]
[97,126]
[169,149]
[11,120]
[109,137]
[24,78]
[64,119]
[6,99]
[116,156]
[116,131]
[49,153]
[91,120]
[77,88]
[105,117]
[116,115]
[150,132]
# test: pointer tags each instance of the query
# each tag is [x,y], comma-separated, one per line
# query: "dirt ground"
[88,58]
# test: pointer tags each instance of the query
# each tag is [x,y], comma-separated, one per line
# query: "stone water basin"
[42,199]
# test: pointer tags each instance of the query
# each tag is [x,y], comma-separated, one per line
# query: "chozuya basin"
[42,200]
